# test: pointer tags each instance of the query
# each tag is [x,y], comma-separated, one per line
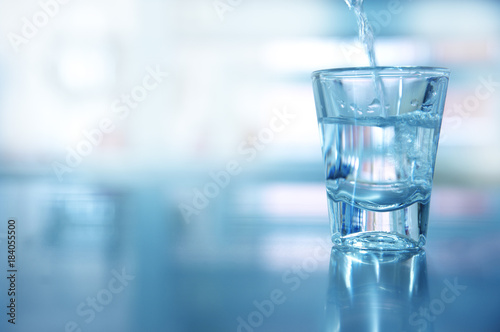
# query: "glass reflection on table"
[377,291]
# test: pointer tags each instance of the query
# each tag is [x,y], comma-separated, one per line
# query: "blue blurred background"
[113,114]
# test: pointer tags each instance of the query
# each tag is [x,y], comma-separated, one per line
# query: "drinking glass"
[379,128]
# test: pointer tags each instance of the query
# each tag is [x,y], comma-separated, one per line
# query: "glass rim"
[385,71]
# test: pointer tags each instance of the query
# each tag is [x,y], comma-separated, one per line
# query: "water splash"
[365,29]
[365,32]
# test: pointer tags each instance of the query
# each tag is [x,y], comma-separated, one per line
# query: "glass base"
[377,241]
[398,229]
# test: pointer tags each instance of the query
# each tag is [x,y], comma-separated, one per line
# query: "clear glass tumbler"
[379,128]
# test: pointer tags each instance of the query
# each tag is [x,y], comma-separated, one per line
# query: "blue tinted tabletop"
[108,258]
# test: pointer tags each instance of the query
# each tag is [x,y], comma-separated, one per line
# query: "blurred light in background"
[225,78]
[118,206]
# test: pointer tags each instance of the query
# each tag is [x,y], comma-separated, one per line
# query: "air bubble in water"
[352,107]
[414,102]
[375,104]
[433,86]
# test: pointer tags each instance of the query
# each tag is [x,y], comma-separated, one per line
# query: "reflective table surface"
[116,258]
